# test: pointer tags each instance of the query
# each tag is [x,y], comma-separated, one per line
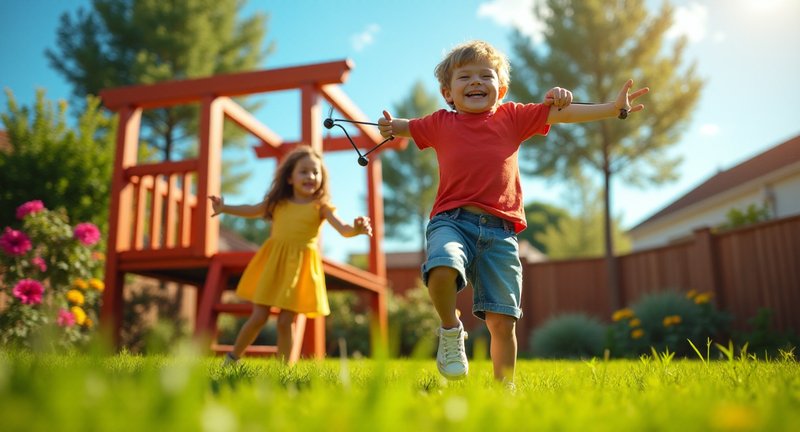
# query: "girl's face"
[474,88]
[306,177]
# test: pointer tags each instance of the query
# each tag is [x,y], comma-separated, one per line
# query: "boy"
[479,208]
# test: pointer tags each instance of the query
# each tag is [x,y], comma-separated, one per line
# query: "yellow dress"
[286,272]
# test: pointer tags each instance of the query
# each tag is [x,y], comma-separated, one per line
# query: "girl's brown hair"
[281,189]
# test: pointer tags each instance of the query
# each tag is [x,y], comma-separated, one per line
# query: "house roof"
[229,241]
[762,164]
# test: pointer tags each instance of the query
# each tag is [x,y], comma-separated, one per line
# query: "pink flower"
[29,208]
[65,318]
[28,291]
[39,262]
[14,242]
[87,233]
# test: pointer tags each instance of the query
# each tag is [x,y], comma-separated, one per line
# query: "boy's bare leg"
[442,289]
[503,347]
[285,334]
[249,331]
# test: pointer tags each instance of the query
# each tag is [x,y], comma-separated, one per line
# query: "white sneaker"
[451,359]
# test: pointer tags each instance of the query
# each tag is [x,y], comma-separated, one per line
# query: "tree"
[591,47]
[580,233]
[411,176]
[124,42]
[540,216]
[49,161]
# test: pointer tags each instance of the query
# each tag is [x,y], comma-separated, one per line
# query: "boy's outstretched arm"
[576,113]
[393,126]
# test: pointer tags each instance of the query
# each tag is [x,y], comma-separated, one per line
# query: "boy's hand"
[385,125]
[362,225]
[558,97]
[217,202]
[624,99]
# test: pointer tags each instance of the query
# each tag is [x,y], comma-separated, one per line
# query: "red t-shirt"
[477,156]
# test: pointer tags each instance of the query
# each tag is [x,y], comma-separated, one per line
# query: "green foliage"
[126,42]
[413,321]
[570,336]
[753,214]
[540,216]
[665,321]
[410,176]
[579,233]
[66,167]
[762,339]
[187,392]
[63,272]
[347,322]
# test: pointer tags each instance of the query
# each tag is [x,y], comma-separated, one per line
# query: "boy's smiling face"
[474,88]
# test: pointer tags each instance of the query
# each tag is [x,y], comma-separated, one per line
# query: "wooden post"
[205,229]
[377,257]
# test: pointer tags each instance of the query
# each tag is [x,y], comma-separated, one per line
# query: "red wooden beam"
[170,93]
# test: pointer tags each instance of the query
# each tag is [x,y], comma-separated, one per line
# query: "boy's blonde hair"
[469,52]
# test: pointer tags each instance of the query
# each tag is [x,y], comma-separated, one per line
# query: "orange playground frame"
[159,220]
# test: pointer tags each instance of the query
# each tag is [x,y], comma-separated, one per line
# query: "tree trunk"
[611,259]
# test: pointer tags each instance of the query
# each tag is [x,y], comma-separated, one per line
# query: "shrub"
[666,320]
[762,339]
[569,336]
[50,279]
[413,322]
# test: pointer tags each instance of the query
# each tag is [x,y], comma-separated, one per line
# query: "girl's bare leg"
[249,331]
[285,334]
[503,347]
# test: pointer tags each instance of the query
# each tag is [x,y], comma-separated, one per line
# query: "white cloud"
[516,14]
[690,21]
[709,129]
[719,37]
[365,38]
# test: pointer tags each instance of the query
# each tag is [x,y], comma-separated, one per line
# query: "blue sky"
[745,49]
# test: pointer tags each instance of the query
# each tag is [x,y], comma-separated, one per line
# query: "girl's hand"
[558,97]
[362,225]
[217,203]
[624,99]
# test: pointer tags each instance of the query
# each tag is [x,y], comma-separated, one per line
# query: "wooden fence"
[745,269]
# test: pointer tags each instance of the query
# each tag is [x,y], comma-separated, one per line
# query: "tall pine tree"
[591,47]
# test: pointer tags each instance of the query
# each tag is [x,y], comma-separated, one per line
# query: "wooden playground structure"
[159,219]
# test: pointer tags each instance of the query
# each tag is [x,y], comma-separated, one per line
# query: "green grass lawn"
[187,392]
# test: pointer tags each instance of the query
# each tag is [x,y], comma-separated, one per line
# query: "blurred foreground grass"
[189,392]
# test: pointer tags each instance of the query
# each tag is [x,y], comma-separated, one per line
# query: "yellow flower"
[97,284]
[75,297]
[79,314]
[622,314]
[702,298]
[636,322]
[80,284]
[637,333]
[671,320]
[691,294]
[88,323]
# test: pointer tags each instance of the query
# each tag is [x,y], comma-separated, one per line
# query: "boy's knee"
[500,325]
[440,276]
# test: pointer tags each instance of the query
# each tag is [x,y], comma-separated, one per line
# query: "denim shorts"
[483,249]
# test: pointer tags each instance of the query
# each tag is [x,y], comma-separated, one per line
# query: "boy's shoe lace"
[451,359]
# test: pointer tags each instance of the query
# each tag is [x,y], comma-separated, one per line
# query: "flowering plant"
[49,279]
[665,320]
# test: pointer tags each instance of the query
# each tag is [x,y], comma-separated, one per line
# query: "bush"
[50,280]
[666,320]
[762,339]
[413,322]
[569,336]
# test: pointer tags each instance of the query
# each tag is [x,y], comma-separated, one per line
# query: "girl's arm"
[248,211]
[360,224]
[576,113]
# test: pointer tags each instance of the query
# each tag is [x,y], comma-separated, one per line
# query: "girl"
[286,272]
